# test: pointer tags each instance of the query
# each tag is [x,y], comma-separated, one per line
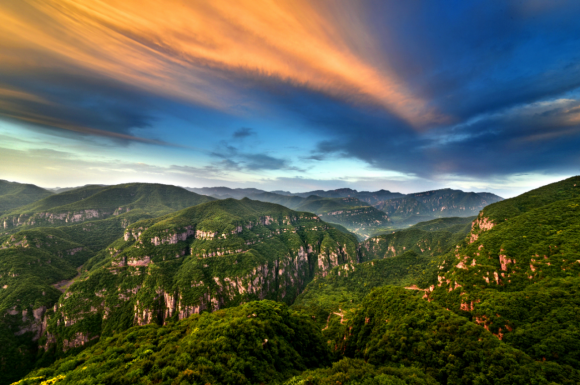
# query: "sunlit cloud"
[191,50]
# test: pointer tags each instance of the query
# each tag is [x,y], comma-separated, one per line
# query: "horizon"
[279,190]
[295,96]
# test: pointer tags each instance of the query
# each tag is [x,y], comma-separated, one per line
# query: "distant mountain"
[97,202]
[419,207]
[356,216]
[58,190]
[403,210]
[430,238]
[13,195]
[226,192]
[372,198]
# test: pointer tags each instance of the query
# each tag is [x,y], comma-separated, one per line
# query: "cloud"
[191,51]
[264,162]
[539,137]
[48,167]
[243,132]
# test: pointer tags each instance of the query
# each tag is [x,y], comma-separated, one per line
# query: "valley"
[116,284]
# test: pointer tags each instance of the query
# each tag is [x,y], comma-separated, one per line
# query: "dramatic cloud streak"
[182,49]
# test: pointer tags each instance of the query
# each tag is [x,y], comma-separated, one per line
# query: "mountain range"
[402,210]
[149,283]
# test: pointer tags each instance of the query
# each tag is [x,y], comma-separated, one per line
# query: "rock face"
[35,324]
[49,218]
[171,269]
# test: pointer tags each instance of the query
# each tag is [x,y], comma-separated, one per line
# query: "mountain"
[97,202]
[432,238]
[418,207]
[226,192]
[396,327]
[404,258]
[517,274]
[13,195]
[37,262]
[34,267]
[211,256]
[356,216]
[256,343]
[403,210]
[195,295]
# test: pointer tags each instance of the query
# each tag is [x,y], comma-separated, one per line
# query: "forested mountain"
[36,262]
[356,216]
[403,210]
[424,206]
[491,299]
[517,274]
[351,213]
[98,202]
[214,255]
[426,238]
[13,195]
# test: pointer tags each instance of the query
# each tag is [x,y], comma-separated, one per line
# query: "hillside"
[402,258]
[215,255]
[419,207]
[98,202]
[431,238]
[13,195]
[34,266]
[395,338]
[487,299]
[517,274]
[37,262]
[356,216]
[258,342]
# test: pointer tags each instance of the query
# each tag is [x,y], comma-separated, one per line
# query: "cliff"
[204,258]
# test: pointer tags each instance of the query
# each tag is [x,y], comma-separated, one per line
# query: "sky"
[294,95]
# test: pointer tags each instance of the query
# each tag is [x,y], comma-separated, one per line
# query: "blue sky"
[297,95]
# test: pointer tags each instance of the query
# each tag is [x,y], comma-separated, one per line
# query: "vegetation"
[211,256]
[402,210]
[98,202]
[492,299]
[13,195]
[396,327]
[519,278]
[418,207]
[431,238]
[259,342]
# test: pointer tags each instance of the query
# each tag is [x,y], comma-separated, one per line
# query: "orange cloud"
[189,50]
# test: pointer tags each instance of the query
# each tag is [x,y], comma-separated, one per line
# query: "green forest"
[155,284]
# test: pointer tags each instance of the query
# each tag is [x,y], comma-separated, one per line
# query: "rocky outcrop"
[48,218]
[143,261]
[79,339]
[482,223]
[172,239]
[36,324]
